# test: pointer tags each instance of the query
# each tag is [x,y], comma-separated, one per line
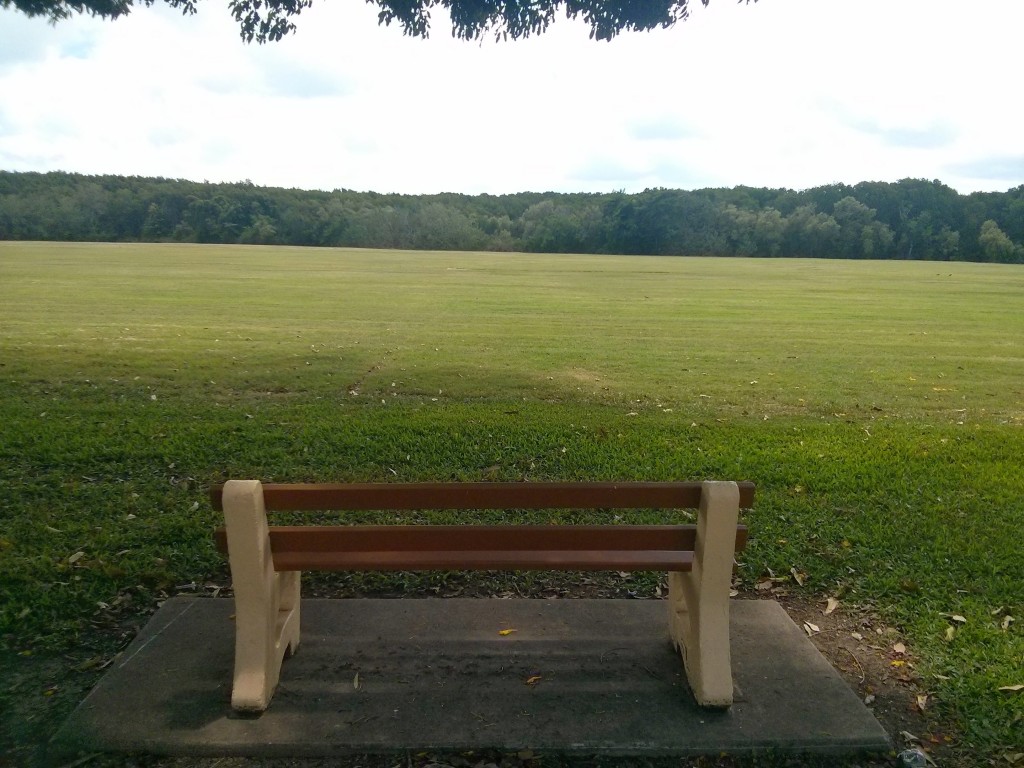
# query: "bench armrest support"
[266,602]
[698,601]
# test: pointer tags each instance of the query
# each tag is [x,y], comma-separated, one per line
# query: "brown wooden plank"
[501,560]
[472,538]
[395,496]
[370,538]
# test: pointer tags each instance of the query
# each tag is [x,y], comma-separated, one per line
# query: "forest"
[908,219]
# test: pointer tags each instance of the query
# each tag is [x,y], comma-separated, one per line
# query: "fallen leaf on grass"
[1006,622]
[909,585]
[76,557]
[1012,688]
[899,648]
[1014,758]
[950,634]
[955,617]
[763,586]
[798,576]
[811,629]
[533,679]
[909,736]
[831,605]
[922,701]
[88,664]
[857,636]
[505,632]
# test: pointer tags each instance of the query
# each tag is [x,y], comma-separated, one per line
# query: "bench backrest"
[496,547]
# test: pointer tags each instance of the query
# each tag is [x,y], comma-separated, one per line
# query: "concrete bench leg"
[698,600]
[266,602]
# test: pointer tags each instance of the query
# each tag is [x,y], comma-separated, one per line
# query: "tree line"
[908,219]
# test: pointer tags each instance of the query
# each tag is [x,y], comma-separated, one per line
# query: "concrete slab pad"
[373,676]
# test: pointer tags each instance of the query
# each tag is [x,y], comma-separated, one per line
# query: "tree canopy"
[269,20]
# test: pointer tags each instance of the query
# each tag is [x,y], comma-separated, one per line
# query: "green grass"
[878,406]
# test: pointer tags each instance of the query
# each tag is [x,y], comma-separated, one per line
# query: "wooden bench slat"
[469,538]
[377,496]
[483,560]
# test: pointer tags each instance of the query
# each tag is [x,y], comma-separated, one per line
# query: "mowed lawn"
[879,407]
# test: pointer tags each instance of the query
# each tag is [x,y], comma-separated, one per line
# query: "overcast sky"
[784,93]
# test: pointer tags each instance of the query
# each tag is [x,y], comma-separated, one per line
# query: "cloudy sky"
[784,93]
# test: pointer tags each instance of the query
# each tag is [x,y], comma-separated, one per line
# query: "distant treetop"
[269,20]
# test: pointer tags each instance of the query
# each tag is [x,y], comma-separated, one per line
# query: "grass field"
[879,407]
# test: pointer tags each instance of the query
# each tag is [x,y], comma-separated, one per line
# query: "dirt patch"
[38,692]
[877,664]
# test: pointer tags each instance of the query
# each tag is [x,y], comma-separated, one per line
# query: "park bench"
[266,560]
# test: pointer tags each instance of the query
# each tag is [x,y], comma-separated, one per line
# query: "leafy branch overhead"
[270,20]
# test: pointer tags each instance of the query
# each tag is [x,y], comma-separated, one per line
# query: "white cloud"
[793,94]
